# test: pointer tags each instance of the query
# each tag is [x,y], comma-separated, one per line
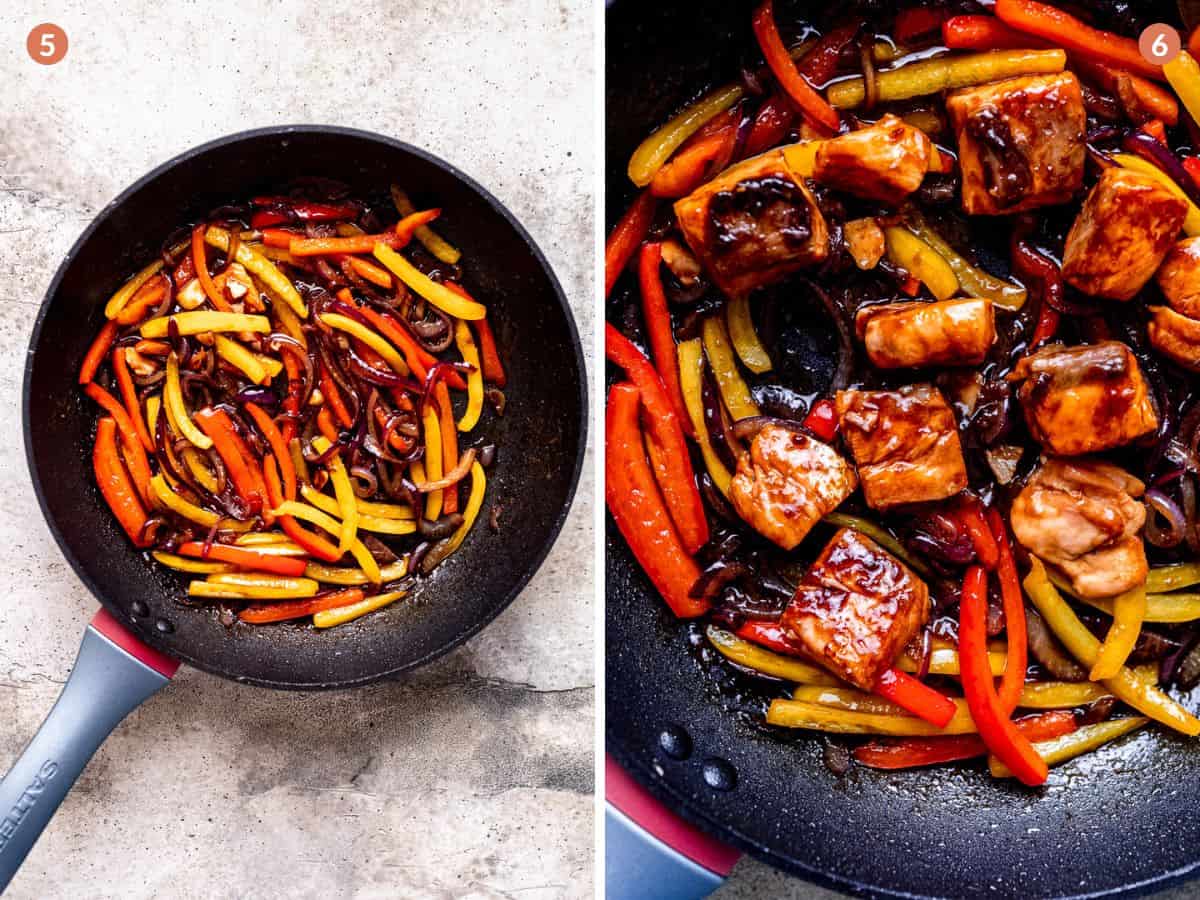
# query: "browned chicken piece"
[905,444]
[1020,142]
[753,225]
[1175,336]
[945,332]
[1084,399]
[1179,277]
[1082,517]
[857,608]
[865,241]
[1126,226]
[787,482]
[886,161]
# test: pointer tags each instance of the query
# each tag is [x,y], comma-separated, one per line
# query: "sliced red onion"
[1166,525]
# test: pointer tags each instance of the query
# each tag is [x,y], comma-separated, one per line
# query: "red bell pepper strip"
[822,420]
[1193,42]
[772,635]
[1013,599]
[262,613]
[680,492]
[692,165]
[200,262]
[307,211]
[147,297]
[995,728]
[333,397]
[1068,32]
[358,243]
[968,512]
[279,237]
[266,218]
[291,402]
[115,485]
[489,358]
[240,463]
[658,329]
[916,22]
[637,508]
[130,398]
[135,453]
[244,558]
[771,125]
[278,447]
[986,33]
[1029,263]
[629,232]
[821,63]
[1191,165]
[809,102]
[96,353]
[917,698]
[909,753]
[315,545]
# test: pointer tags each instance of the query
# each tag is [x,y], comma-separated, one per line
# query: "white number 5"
[46,45]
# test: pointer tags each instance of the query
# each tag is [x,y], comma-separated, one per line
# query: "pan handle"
[113,674]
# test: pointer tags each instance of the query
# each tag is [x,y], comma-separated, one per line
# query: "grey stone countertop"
[474,778]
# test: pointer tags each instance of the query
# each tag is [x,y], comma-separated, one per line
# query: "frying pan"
[1123,820]
[133,646]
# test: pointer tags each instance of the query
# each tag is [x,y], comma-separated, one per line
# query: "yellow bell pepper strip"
[1170,578]
[801,158]
[433,461]
[289,323]
[439,295]
[753,354]
[432,241]
[366,522]
[470,354]
[250,582]
[945,661]
[343,490]
[1126,685]
[921,261]
[343,576]
[1060,694]
[654,151]
[385,510]
[973,280]
[1086,739]
[932,76]
[1163,609]
[691,365]
[370,338]
[1191,224]
[198,466]
[326,522]
[118,300]
[153,408]
[760,659]
[471,512]
[814,107]
[798,714]
[177,413]
[879,535]
[257,264]
[340,615]
[1183,74]
[213,591]
[205,320]
[860,701]
[170,500]
[734,390]
[259,538]
[194,566]
[1129,611]
[242,358]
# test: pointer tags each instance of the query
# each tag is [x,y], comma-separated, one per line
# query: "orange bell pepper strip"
[637,507]
[152,348]
[1013,600]
[692,165]
[240,463]
[995,728]
[244,558]
[147,297]
[1064,30]
[368,271]
[911,753]
[658,329]
[771,125]
[808,101]
[418,358]
[279,448]
[1193,43]
[315,544]
[200,262]
[449,444]
[130,398]
[628,233]
[325,424]
[489,358]
[114,483]
[262,613]
[135,452]
[679,490]
[916,697]
[329,390]
[979,32]
[97,351]
[398,237]
[279,237]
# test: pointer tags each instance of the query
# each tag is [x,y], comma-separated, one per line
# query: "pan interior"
[540,436]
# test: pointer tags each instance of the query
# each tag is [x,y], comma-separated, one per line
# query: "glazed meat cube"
[1082,517]
[1126,226]
[1084,399]
[1179,277]
[1175,336]
[946,332]
[886,161]
[787,482]
[857,608]
[753,225]
[1020,142]
[905,444]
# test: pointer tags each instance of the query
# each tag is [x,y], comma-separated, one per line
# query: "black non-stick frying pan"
[540,438]
[1123,820]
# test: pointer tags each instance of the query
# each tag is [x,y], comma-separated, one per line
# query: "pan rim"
[535,560]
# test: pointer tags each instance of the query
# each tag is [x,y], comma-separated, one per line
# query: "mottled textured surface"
[471,779]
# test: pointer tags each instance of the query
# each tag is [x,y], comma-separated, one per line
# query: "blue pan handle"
[113,674]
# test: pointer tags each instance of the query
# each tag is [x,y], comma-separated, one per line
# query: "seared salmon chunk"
[886,161]
[955,332]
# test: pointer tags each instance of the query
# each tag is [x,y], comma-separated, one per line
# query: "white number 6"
[1160,47]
